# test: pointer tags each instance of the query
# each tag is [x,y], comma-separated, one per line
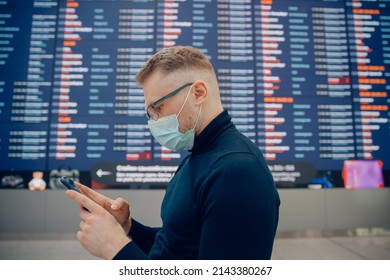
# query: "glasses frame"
[155,115]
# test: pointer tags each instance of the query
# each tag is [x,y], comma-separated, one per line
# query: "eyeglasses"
[151,112]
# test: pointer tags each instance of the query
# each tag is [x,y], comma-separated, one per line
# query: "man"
[222,202]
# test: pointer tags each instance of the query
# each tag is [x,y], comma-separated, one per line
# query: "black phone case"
[69,184]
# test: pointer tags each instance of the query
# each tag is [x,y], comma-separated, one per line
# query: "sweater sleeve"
[130,252]
[143,236]
[142,241]
[239,209]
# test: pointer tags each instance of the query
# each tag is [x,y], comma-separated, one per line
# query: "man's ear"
[201,91]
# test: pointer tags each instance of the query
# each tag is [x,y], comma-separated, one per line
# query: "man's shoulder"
[235,143]
[238,161]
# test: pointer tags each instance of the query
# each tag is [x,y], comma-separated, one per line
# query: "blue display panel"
[307,81]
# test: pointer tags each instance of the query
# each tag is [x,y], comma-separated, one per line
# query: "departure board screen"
[307,81]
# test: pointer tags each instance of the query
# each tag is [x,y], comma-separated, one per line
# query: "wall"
[22,211]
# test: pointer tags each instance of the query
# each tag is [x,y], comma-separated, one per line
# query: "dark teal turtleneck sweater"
[221,204]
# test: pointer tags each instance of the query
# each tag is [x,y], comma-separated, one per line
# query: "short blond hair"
[174,59]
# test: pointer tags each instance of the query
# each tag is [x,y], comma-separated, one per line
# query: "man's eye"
[157,109]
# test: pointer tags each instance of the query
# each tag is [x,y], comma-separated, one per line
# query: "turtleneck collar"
[211,132]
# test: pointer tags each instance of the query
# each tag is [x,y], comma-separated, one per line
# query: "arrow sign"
[101,173]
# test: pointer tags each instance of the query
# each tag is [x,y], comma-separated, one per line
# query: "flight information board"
[307,81]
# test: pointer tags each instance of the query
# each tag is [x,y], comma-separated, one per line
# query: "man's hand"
[119,208]
[100,232]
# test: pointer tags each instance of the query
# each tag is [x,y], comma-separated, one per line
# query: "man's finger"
[84,215]
[83,200]
[118,204]
[95,196]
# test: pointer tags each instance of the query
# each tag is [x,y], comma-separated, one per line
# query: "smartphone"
[69,183]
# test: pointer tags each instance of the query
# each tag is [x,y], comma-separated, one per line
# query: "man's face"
[159,85]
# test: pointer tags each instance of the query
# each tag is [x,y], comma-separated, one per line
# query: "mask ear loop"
[185,101]
[200,109]
[197,118]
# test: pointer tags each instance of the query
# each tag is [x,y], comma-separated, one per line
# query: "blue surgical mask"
[166,131]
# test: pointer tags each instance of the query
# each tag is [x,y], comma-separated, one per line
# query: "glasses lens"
[151,114]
